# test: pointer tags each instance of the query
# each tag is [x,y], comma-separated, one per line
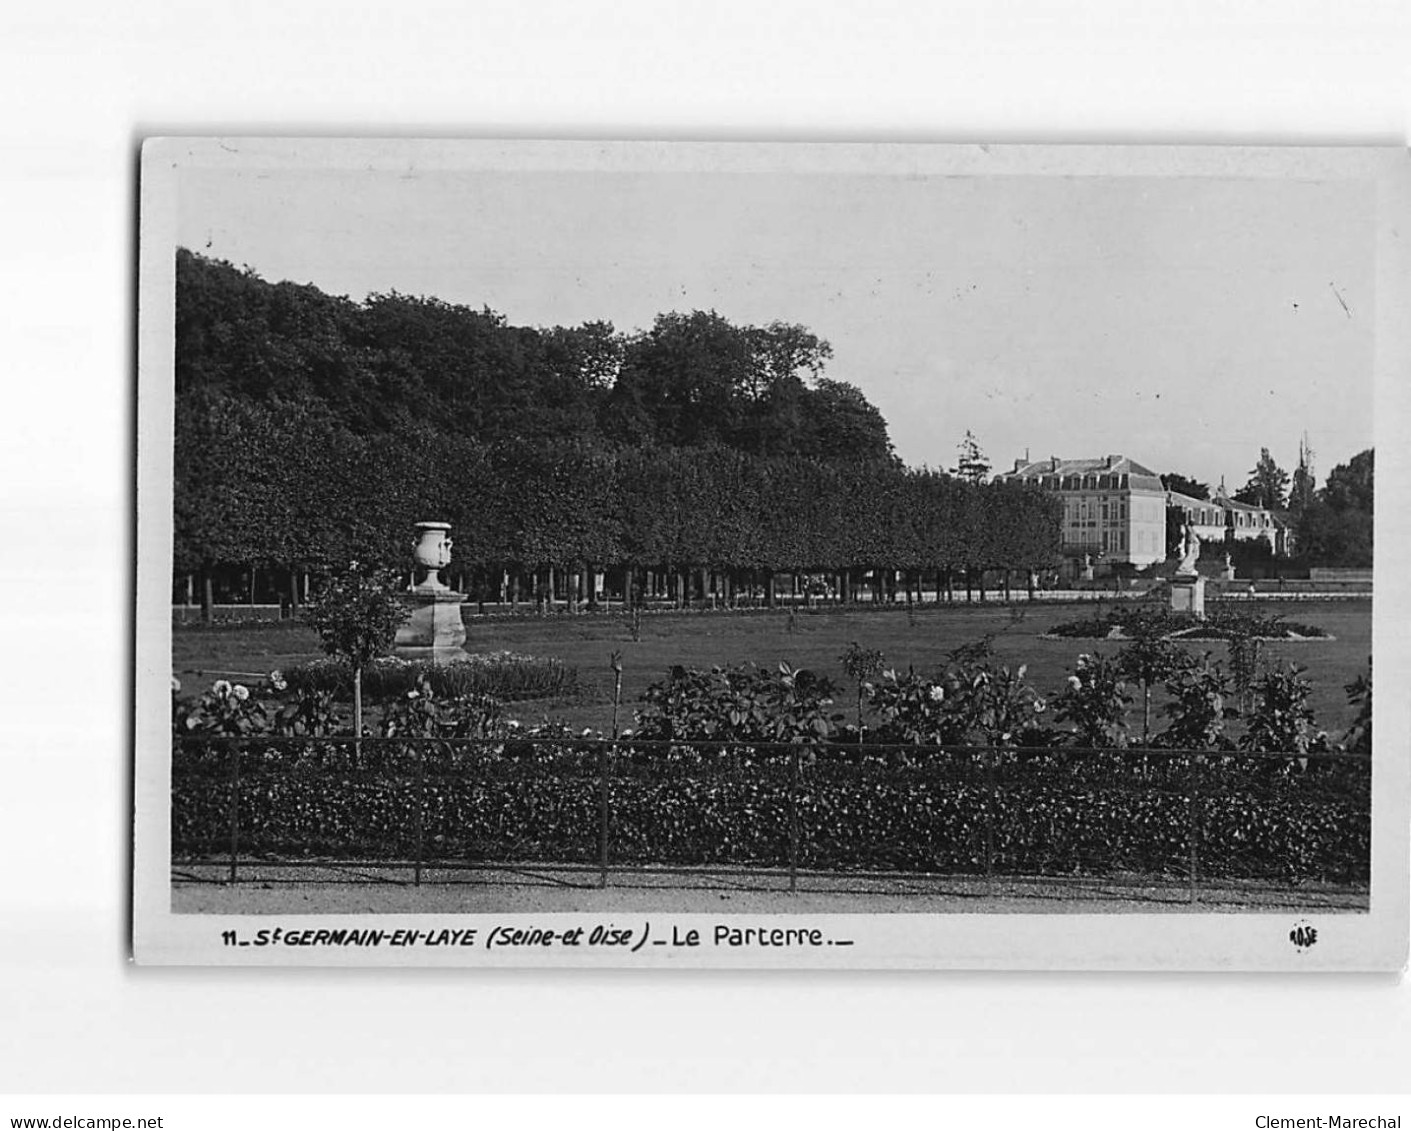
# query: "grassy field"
[812,639]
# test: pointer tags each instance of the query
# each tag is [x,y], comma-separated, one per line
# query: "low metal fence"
[1130,815]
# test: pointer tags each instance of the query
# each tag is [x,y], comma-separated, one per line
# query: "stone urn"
[435,630]
[432,553]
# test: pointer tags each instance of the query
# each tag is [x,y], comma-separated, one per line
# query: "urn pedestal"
[435,630]
[1188,595]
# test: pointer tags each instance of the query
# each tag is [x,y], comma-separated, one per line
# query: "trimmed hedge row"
[503,676]
[1042,819]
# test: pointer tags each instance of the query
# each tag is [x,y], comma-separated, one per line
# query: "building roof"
[1108,465]
[1139,476]
[1191,501]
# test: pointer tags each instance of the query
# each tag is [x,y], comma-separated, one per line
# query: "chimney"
[1112,461]
[1017,465]
[1052,464]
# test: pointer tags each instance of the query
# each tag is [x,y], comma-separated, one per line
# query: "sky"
[1183,321]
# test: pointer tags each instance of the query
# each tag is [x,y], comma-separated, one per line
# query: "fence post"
[1193,821]
[420,819]
[234,807]
[992,792]
[602,816]
[794,818]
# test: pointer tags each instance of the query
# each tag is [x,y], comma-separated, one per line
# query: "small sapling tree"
[862,665]
[356,616]
[1150,659]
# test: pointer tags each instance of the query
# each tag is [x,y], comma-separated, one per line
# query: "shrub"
[226,709]
[973,700]
[1358,739]
[1199,706]
[917,709]
[1282,719]
[739,704]
[307,712]
[932,817]
[420,713]
[1095,700]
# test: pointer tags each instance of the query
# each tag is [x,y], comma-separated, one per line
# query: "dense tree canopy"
[266,486]
[313,430]
[400,364]
[1335,527]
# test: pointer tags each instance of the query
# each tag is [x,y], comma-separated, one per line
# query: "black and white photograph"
[759,554]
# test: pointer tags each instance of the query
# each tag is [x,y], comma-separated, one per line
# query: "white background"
[83,82]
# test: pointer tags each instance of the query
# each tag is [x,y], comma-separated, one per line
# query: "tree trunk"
[208,601]
[769,589]
[357,715]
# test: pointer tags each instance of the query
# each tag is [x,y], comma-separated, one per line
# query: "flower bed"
[1220,624]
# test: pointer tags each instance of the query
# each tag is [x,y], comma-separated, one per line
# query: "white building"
[1115,510]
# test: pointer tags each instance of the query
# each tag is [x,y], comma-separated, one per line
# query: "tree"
[1335,527]
[844,424]
[1151,658]
[1183,485]
[356,616]
[1267,486]
[1328,537]
[862,665]
[973,464]
[1349,485]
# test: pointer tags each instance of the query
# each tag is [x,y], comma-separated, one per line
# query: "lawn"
[812,639]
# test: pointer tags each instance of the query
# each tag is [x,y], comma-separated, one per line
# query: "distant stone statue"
[1190,551]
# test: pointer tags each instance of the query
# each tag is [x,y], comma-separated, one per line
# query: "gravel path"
[266,889]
